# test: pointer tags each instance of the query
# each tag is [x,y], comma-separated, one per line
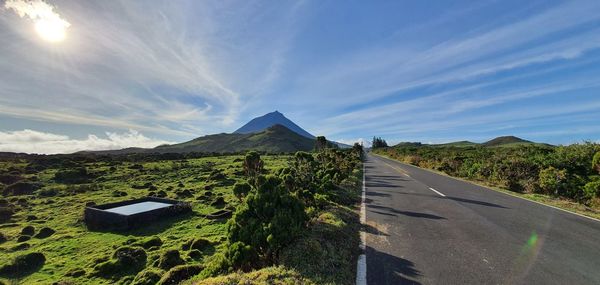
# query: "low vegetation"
[254,217]
[564,172]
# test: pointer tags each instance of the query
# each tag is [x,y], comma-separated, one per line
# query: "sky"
[91,75]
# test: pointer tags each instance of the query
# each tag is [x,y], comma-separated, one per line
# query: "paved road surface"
[466,234]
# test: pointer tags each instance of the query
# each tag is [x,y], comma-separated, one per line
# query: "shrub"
[72,176]
[169,259]
[253,165]
[596,162]
[592,189]
[241,189]
[242,256]
[268,219]
[23,265]
[552,180]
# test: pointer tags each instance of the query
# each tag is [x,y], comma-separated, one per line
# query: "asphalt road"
[470,235]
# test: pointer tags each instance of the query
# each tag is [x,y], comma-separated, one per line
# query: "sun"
[52,30]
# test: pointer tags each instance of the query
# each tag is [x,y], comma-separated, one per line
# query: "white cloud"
[30,141]
[36,10]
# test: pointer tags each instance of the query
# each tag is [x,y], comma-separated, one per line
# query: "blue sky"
[142,73]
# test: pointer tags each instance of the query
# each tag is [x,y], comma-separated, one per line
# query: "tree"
[321,143]
[378,142]
[253,165]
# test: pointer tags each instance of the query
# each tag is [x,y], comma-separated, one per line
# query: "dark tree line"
[378,142]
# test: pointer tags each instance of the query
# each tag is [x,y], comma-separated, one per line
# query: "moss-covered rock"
[151,242]
[125,261]
[170,259]
[147,277]
[180,273]
[23,265]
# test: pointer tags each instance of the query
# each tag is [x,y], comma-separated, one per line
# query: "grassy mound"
[125,261]
[23,265]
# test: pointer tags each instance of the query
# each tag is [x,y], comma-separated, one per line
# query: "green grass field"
[73,250]
[324,254]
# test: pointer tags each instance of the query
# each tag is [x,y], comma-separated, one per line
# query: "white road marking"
[436,191]
[489,189]
[361,270]
[361,264]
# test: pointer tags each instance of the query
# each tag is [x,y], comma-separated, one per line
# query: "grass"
[565,204]
[72,252]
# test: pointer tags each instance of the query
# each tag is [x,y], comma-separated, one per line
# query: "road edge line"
[490,189]
[361,264]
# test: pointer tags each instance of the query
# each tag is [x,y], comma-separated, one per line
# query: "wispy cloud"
[30,141]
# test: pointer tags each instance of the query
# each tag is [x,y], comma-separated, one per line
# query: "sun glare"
[51,30]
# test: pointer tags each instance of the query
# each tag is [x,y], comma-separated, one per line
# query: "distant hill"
[457,144]
[506,140]
[261,123]
[408,144]
[274,139]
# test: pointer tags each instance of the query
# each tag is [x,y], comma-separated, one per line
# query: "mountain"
[506,140]
[274,139]
[261,123]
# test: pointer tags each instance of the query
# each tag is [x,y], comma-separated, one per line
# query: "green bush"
[596,162]
[552,181]
[268,219]
[592,189]
[77,175]
[241,189]
[253,165]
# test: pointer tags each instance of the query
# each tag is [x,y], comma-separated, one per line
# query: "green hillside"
[275,139]
[457,144]
[507,140]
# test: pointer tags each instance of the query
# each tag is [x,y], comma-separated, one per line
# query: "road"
[426,228]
